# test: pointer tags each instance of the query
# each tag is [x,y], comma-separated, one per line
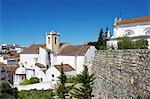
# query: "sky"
[25,22]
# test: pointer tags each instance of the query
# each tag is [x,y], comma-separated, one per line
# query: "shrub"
[32,80]
[25,82]
[36,94]
[141,44]
[126,43]
[7,92]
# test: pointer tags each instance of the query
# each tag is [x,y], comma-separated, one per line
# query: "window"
[2,69]
[147,31]
[22,78]
[129,33]
[48,40]
[47,66]
[53,75]
[55,40]
[41,79]
[3,78]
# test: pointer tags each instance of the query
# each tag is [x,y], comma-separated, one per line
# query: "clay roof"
[72,50]
[10,68]
[66,67]
[2,64]
[134,20]
[33,49]
[40,65]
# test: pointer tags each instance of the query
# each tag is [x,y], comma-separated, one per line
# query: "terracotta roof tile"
[40,65]
[72,50]
[134,20]
[11,68]
[33,49]
[2,64]
[66,67]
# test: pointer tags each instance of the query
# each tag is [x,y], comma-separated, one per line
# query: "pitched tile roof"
[10,68]
[40,65]
[33,49]
[66,67]
[134,20]
[2,64]
[72,50]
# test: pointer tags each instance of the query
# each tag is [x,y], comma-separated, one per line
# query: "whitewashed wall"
[80,63]
[38,86]
[30,73]
[29,59]
[43,56]
[40,74]
[66,60]
[89,56]
[137,29]
[52,71]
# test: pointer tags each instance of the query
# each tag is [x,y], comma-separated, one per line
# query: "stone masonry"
[122,74]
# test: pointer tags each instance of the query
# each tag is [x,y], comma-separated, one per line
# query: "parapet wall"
[122,74]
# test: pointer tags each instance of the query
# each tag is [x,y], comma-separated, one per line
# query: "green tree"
[7,92]
[62,90]
[85,88]
[100,40]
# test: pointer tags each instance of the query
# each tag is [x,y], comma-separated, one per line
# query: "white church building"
[134,28]
[44,60]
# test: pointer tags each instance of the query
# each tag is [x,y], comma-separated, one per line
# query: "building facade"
[44,60]
[134,28]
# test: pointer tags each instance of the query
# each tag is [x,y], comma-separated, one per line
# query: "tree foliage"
[36,94]
[85,85]
[7,92]
[62,90]
[73,79]
[127,43]
[100,44]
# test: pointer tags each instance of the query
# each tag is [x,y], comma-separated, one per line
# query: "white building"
[134,28]
[44,60]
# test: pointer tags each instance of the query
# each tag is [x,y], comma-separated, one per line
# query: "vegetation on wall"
[36,94]
[127,43]
[32,80]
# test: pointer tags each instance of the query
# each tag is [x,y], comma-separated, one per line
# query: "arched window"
[147,31]
[129,33]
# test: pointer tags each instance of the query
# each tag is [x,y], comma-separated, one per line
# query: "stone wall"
[122,74]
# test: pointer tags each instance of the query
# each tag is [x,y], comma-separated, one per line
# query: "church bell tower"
[53,41]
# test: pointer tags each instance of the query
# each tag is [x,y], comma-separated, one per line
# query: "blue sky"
[78,21]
